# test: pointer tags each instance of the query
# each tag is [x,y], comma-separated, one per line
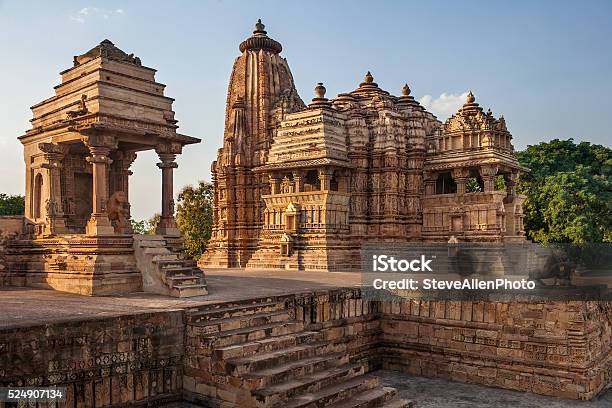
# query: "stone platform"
[286,338]
[23,307]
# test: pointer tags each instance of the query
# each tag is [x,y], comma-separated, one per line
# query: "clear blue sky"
[547,66]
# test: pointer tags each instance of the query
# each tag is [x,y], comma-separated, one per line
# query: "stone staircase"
[271,360]
[165,270]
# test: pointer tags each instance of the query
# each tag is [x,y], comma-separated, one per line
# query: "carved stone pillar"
[123,161]
[99,148]
[429,179]
[488,172]
[325,178]
[460,176]
[297,182]
[510,180]
[52,163]
[274,185]
[167,222]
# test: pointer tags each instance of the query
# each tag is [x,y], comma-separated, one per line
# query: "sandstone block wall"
[560,348]
[110,361]
[9,227]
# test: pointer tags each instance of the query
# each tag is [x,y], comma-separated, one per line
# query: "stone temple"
[78,235]
[296,187]
[304,186]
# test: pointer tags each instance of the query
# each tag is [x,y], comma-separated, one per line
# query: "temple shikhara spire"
[303,187]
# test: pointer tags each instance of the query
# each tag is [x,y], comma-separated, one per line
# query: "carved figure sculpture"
[118,210]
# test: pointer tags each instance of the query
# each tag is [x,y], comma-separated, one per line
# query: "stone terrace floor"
[22,307]
[438,393]
[29,307]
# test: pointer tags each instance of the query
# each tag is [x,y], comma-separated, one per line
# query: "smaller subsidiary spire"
[319,101]
[407,100]
[470,107]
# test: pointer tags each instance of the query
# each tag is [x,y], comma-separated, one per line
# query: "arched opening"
[474,184]
[38,184]
[311,181]
[445,184]
[145,191]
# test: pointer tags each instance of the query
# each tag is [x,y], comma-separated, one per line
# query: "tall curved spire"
[260,92]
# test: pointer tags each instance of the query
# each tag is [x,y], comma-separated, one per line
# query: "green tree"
[151,224]
[472,186]
[11,204]
[139,227]
[194,217]
[569,196]
[146,227]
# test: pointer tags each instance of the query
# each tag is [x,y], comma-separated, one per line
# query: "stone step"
[158,255]
[181,280]
[266,345]
[252,321]
[278,374]
[174,262]
[189,290]
[223,305]
[378,397]
[243,365]
[332,394]
[173,267]
[151,243]
[182,271]
[246,334]
[234,311]
[283,392]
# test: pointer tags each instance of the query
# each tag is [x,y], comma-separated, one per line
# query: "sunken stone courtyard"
[274,313]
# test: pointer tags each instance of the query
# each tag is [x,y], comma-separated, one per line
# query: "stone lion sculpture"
[118,209]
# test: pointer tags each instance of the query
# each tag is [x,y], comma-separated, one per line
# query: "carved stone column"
[297,181]
[52,162]
[429,179]
[274,185]
[167,155]
[488,172]
[460,176]
[99,148]
[122,162]
[325,177]
[510,180]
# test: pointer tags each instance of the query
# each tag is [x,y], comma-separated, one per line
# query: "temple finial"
[320,101]
[259,27]
[405,90]
[470,97]
[320,91]
[368,78]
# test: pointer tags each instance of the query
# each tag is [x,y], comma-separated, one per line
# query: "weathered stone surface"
[77,231]
[304,187]
[112,361]
[284,347]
